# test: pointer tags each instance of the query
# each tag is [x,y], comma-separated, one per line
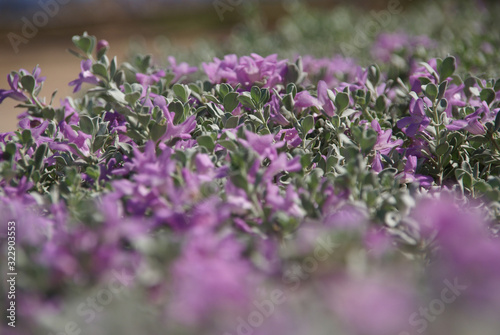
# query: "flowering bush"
[159,202]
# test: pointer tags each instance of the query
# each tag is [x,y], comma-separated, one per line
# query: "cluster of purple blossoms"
[206,209]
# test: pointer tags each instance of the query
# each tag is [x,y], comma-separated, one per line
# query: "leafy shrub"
[226,198]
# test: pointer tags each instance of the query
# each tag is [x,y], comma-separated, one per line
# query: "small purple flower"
[281,163]
[304,99]
[324,99]
[263,145]
[456,98]
[409,176]
[290,136]
[102,44]
[471,123]
[247,70]
[180,70]
[383,145]
[149,79]
[289,203]
[85,76]
[15,91]
[417,121]
[222,71]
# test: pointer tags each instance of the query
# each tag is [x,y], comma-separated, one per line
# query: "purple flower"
[456,98]
[263,145]
[228,279]
[85,76]
[290,136]
[149,79]
[289,203]
[247,70]
[281,163]
[180,70]
[183,130]
[222,71]
[417,121]
[324,99]
[408,175]
[102,44]
[15,91]
[383,145]
[420,72]
[275,109]
[304,99]
[471,123]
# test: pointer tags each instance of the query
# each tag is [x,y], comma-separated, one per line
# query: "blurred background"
[39,31]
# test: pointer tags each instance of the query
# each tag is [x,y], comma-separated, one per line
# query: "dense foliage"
[255,194]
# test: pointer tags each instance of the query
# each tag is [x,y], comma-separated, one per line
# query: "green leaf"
[132,97]
[447,68]
[117,96]
[442,105]
[26,136]
[39,155]
[230,102]
[341,101]
[229,145]
[497,122]
[48,113]
[85,43]
[99,141]
[442,149]
[306,160]
[206,141]
[255,93]
[374,74]
[431,91]
[100,69]
[288,101]
[113,67]
[497,86]
[246,100]
[292,74]
[239,181]
[232,122]
[380,104]
[291,89]
[86,125]
[487,95]
[224,89]
[307,124]
[442,89]
[182,92]
[28,83]
[93,172]
[157,131]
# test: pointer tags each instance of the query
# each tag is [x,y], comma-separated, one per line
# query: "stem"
[437,142]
